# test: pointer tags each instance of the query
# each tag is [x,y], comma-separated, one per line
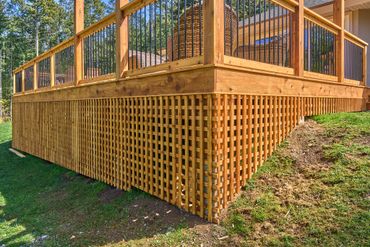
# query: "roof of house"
[313,3]
[276,12]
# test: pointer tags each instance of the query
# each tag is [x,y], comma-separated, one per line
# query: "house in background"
[356,21]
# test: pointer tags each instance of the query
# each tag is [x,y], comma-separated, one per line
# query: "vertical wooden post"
[52,70]
[121,40]
[338,17]
[22,89]
[35,82]
[78,26]
[14,85]
[298,39]
[364,64]
[214,16]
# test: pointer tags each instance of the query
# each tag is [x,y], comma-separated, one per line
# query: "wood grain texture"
[195,151]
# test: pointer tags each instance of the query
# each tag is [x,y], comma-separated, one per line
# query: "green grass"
[286,203]
[39,199]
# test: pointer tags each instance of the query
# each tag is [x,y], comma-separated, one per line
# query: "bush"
[6,109]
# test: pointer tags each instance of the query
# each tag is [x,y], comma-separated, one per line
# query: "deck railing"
[64,65]
[259,31]
[148,36]
[99,51]
[354,57]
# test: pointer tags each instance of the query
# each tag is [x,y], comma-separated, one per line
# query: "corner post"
[214,31]
[338,17]
[121,40]
[298,39]
[78,27]
[364,64]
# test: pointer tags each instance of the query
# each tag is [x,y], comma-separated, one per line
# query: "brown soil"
[150,219]
[305,147]
[109,195]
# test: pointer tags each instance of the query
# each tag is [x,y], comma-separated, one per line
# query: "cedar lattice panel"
[194,151]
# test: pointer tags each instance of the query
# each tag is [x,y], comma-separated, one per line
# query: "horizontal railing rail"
[165,35]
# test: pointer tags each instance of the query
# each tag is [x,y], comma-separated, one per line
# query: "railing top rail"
[135,5]
[353,38]
[288,4]
[109,19]
[320,20]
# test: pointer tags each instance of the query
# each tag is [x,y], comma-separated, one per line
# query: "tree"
[95,10]
[31,27]
[3,27]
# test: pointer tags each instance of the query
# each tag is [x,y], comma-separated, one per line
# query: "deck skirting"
[195,151]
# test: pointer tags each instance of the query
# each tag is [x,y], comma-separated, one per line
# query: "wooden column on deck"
[214,31]
[52,70]
[23,86]
[338,18]
[364,64]
[14,86]
[122,40]
[35,79]
[78,27]
[298,39]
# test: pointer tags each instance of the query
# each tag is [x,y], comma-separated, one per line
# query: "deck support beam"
[78,27]
[122,40]
[214,31]
[298,39]
[338,18]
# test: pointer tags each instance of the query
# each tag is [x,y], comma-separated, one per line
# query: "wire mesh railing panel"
[165,31]
[65,65]
[99,51]
[43,73]
[258,30]
[18,82]
[28,78]
[353,61]
[319,49]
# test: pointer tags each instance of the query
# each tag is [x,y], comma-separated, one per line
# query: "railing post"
[121,40]
[364,64]
[14,86]
[35,82]
[52,70]
[338,18]
[23,86]
[298,39]
[78,26]
[214,31]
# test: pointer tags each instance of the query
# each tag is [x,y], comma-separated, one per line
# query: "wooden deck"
[110,106]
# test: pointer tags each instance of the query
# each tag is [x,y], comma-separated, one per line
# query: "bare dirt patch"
[109,194]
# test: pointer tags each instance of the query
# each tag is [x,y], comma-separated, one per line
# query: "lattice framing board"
[193,151]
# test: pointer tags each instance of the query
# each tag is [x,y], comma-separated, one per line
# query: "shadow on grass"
[46,204]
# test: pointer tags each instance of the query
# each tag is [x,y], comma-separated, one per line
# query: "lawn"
[314,191]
